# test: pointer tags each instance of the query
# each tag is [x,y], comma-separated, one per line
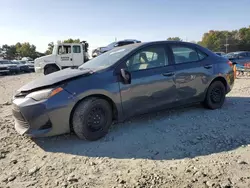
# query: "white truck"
[64,55]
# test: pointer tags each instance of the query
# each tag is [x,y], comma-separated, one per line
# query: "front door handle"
[71,59]
[168,74]
[208,66]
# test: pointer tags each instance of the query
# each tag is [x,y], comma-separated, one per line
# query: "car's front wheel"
[215,96]
[92,118]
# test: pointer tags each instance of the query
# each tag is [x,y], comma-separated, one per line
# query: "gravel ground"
[186,147]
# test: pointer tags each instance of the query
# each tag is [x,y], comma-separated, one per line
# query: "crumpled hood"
[54,78]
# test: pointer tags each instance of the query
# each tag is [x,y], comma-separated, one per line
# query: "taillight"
[230,63]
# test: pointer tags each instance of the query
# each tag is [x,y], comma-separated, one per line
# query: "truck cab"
[64,55]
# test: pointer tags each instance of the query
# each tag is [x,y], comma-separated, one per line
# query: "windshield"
[109,58]
[15,62]
[111,45]
[232,55]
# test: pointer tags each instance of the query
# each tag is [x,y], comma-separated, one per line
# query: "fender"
[222,78]
[51,63]
[113,98]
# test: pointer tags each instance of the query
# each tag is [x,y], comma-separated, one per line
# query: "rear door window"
[201,55]
[184,54]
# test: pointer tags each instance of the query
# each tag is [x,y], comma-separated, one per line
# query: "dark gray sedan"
[22,67]
[126,81]
[7,67]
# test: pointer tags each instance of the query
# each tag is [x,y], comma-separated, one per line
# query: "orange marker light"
[55,91]
[234,69]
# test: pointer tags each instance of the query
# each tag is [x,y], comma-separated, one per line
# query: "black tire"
[215,96]
[92,119]
[50,69]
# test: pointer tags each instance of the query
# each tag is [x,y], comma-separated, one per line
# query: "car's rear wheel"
[92,118]
[50,69]
[215,96]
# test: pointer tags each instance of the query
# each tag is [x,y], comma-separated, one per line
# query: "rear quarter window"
[201,54]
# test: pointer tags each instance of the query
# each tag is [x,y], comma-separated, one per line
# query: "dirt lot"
[186,147]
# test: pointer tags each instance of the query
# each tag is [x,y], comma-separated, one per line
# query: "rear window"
[125,43]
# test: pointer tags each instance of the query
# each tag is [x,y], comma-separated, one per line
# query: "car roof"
[169,42]
[164,42]
[190,44]
[238,52]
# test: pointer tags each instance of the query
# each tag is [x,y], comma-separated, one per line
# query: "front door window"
[147,59]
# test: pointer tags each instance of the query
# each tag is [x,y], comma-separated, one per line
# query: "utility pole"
[226,44]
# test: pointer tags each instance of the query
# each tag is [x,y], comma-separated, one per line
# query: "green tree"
[26,50]
[237,40]
[9,52]
[50,48]
[72,41]
[244,36]
[174,39]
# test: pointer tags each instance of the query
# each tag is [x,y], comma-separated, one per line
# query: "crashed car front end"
[43,106]
[35,113]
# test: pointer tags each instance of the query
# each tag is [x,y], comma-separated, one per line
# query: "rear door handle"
[168,74]
[208,66]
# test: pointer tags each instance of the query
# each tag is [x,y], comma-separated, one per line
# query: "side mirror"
[126,76]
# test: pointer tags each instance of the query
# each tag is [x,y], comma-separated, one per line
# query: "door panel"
[77,55]
[191,72]
[189,81]
[152,81]
[64,56]
[149,89]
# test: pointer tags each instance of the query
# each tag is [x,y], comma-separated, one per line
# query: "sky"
[101,21]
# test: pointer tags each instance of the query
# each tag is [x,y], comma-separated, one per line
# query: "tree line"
[19,50]
[225,41]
